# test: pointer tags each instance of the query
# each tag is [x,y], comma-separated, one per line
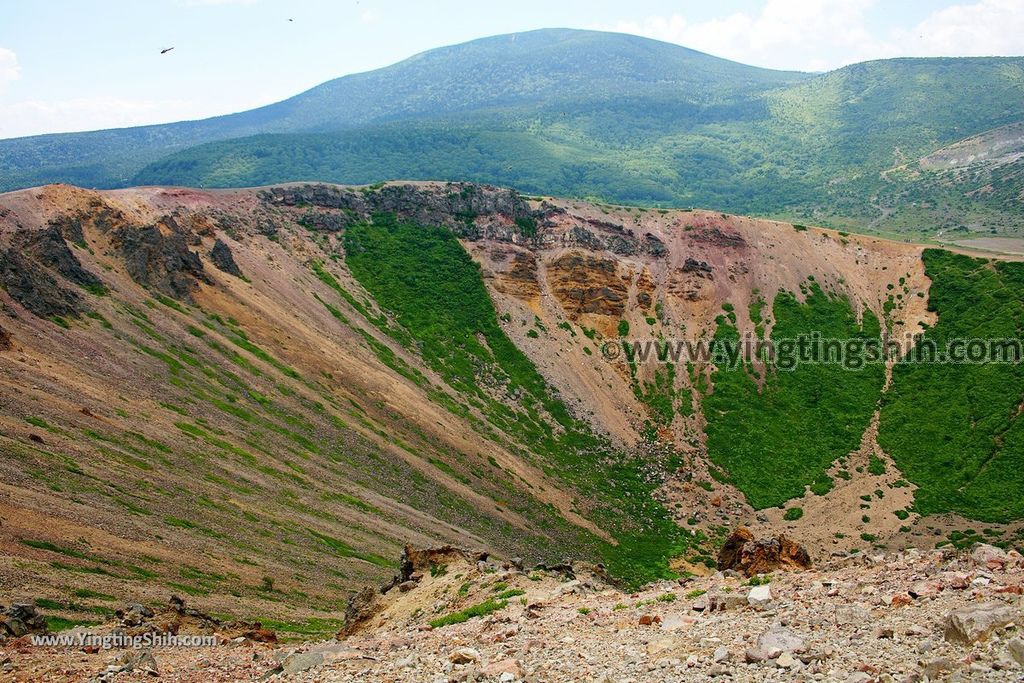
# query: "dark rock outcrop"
[177,617]
[158,257]
[692,265]
[49,248]
[27,270]
[222,257]
[719,238]
[21,619]
[30,284]
[469,210]
[361,607]
[654,246]
[5,340]
[750,556]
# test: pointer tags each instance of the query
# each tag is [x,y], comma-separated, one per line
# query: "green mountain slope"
[841,148]
[590,114]
[556,67]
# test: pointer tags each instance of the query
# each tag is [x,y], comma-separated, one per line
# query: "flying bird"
[166,50]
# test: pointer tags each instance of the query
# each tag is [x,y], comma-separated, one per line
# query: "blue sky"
[68,65]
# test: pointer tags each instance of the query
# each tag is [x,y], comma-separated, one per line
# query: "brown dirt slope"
[254,440]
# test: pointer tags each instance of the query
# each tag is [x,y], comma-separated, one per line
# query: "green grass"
[876,466]
[310,628]
[774,442]
[435,292]
[479,610]
[342,549]
[53,548]
[793,514]
[956,430]
[57,624]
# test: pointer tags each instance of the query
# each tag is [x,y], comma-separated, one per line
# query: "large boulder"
[774,642]
[21,619]
[978,622]
[749,556]
[989,556]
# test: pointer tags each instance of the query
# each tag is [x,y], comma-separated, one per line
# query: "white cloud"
[988,27]
[368,17]
[9,69]
[785,34]
[32,117]
[815,35]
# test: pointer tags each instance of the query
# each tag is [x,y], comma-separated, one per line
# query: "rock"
[21,619]
[925,589]
[725,602]
[989,556]
[360,608]
[958,582]
[5,340]
[510,667]
[847,615]
[900,600]
[158,256]
[779,639]
[32,285]
[302,661]
[1015,648]
[406,586]
[146,663]
[722,654]
[761,556]
[753,655]
[141,661]
[718,670]
[222,257]
[660,647]
[464,655]
[14,627]
[135,615]
[978,622]
[785,661]
[760,596]
[675,622]
[934,668]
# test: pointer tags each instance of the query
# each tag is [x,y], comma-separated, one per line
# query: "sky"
[72,65]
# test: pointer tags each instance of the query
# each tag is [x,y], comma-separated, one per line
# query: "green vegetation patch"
[435,292]
[774,441]
[479,610]
[955,429]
